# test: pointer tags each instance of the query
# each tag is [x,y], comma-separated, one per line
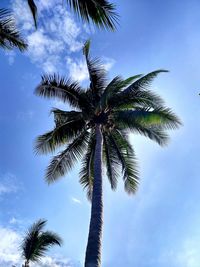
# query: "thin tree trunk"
[93,251]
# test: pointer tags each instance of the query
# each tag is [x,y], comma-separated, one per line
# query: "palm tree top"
[10,37]
[100,12]
[119,107]
[37,241]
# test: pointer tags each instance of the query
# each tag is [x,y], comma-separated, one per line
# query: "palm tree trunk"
[93,251]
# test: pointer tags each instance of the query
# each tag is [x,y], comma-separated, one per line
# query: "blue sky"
[159,226]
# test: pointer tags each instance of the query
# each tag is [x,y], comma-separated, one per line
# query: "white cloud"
[15,221]
[8,184]
[185,254]
[9,245]
[57,33]
[108,63]
[57,37]
[77,69]
[76,200]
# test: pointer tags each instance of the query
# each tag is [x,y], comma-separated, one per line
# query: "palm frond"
[100,12]
[48,239]
[161,117]
[37,241]
[33,9]
[87,170]
[29,244]
[155,133]
[137,99]
[111,161]
[97,74]
[54,86]
[63,133]
[10,37]
[126,157]
[114,87]
[144,82]
[64,161]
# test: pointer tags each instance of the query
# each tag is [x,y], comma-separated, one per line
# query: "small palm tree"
[97,131]
[100,12]
[37,241]
[9,35]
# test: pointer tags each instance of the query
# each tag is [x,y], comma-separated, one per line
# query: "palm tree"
[9,35]
[100,12]
[97,131]
[37,241]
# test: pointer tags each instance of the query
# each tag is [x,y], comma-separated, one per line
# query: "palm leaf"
[87,170]
[100,12]
[36,242]
[29,244]
[137,99]
[126,157]
[144,82]
[111,161]
[54,86]
[64,161]
[97,74]
[64,132]
[161,117]
[10,37]
[114,87]
[33,9]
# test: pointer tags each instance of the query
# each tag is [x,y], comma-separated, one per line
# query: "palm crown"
[119,107]
[37,241]
[9,35]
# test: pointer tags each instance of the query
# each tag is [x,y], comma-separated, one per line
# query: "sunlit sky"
[160,225]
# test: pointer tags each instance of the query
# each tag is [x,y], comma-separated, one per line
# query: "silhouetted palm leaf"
[37,242]
[10,37]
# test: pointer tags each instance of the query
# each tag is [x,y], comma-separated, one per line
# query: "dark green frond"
[126,157]
[161,117]
[30,244]
[100,12]
[63,133]
[48,239]
[33,9]
[111,90]
[37,241]
[98,78]
[144,82]
[137,99]
[87,171]
[111,161]
[64,161]
[155,133]
[97,74]
[54,86]
[10,37]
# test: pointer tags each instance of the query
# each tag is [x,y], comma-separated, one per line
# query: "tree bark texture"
[93,251]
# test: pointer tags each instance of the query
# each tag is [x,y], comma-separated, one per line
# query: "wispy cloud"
[9,244]
[52,47]
[8,184]
[57,33]
[76,200]
[25,115]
